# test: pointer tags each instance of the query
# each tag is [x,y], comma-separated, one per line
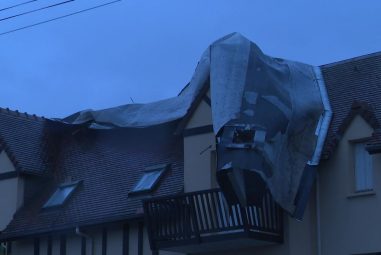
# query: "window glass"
[60,195]
[363,168]
[148,180]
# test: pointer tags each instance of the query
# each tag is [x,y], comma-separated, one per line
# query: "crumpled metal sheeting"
[243,84]
[228,70]
[279,97]
[300,141]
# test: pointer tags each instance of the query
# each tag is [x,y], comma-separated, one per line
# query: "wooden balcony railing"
[205,215]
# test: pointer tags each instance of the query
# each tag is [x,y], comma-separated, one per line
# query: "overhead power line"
[16,5]
[36,10]
[60,17]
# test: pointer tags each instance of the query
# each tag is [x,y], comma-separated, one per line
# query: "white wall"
[6,164]
[350,223]
[73,243]
[12,191]
[198,158]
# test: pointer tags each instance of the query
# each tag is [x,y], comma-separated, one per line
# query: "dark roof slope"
[109,162]
[22,136]
[354,87]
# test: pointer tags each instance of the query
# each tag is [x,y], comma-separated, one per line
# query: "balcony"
[204,221]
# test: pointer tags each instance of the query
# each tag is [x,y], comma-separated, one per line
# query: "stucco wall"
[5,163]
[202,116]
[14,190]
[350,223]
[199,152]
[198,161]
[115,241]
[22,247]
[74,242]
[44,246]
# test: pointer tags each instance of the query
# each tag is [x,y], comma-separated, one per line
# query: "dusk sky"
[148,50]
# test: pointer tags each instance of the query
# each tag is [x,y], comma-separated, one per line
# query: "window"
[150,178]
[61,195]
[243,136]
[363,168]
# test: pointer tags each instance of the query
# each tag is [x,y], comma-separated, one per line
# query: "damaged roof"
[110,162]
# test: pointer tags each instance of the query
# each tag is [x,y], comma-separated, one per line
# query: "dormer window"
[150,178]
[62,193]
[363,168]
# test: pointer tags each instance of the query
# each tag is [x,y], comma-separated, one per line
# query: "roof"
[354,88]
[22,137]
[109,163]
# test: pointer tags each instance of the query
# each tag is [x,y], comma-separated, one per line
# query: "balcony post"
[194,219]
[245,221]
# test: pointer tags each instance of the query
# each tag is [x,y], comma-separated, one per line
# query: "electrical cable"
[16,5]
[60,17]
[36,10]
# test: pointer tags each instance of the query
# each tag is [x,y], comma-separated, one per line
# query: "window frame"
[366,170]
[62,186]
[162,168]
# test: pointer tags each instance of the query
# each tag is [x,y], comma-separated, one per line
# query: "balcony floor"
[215,243]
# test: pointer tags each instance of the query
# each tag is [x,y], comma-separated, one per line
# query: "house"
[97,183]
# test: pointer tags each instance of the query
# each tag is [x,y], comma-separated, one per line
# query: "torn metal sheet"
[265,112]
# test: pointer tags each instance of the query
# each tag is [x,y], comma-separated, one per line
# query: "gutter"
[69,228]
[321,132]
[325,119]
[81,234]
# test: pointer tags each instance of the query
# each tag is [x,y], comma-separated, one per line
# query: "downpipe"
[322,134]
[5,246]
[318,221]
[81,234]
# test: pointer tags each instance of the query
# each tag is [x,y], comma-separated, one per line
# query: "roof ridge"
[16,113]
[365,56]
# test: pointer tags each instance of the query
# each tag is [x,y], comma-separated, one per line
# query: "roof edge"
[348,60]
[184,121]
[358,108]
[88,224]
[16,113]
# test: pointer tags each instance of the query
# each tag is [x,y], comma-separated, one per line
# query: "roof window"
[150,178]
[62,193]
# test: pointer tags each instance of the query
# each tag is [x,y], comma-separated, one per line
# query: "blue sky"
[148,50]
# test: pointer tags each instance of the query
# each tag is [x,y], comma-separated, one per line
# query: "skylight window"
[62,193]
[150,178]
